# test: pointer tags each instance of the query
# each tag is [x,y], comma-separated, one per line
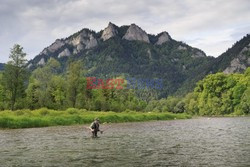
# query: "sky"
[211,25]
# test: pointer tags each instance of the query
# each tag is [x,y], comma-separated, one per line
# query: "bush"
[43,111]
[72,111]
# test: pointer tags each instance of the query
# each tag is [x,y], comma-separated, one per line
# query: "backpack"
[94,126]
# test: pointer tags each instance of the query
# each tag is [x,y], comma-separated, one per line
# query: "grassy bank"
[45,117]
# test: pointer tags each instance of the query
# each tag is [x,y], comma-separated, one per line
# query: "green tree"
[38,92]
[190,101]
[74,76]
[57,91]
[180,107]
[15,74]
[32,95]
[220,94]
[2,94]
[244,107]
[171,103]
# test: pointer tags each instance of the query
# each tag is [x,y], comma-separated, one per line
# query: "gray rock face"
[248,61]
[109,32]
[149,54]
[198,54]
[239,63]
[164,37]
[45,51]
[64,53]
[53,47]
[41,62]
[182,47]
[77,40]
[136,33]
[29,65]
[78,48]
[56,45]
[84,40]
[82,37]
[91,43]
[235,66]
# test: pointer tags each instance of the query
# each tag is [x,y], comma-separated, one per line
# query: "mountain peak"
[109,31]
[111,24]
[163,37]
[134,32]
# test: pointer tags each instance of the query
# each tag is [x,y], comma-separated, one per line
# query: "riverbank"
[45,117]
[220,116]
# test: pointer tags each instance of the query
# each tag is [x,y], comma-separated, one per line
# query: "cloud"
[212,26]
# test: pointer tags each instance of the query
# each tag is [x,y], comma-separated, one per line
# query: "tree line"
[48,87]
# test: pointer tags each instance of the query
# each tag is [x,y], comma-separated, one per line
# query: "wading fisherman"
[94,127]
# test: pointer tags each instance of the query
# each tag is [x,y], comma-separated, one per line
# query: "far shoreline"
[45,118]
[142,121]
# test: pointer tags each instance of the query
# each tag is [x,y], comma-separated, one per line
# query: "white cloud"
[211,25]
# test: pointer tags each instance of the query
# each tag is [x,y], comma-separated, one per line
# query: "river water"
[193,142]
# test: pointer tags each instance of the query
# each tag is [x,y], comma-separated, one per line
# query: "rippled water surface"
[194,142]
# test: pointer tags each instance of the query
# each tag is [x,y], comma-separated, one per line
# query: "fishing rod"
[87,128]
[105,129]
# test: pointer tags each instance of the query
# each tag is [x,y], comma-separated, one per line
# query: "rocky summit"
[109,32]
[163,37]
[135,33]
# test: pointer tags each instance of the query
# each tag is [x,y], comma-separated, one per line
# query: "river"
[193,142]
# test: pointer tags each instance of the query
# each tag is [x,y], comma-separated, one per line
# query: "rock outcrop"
[240,63]
[41,62]
[235,66]
[163,37]
[135,33]
[198,54]
[91,43]
[56,45]
[180,47]
[78,48]
[29,65]
[109,32]
[64,53]
[85,40]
